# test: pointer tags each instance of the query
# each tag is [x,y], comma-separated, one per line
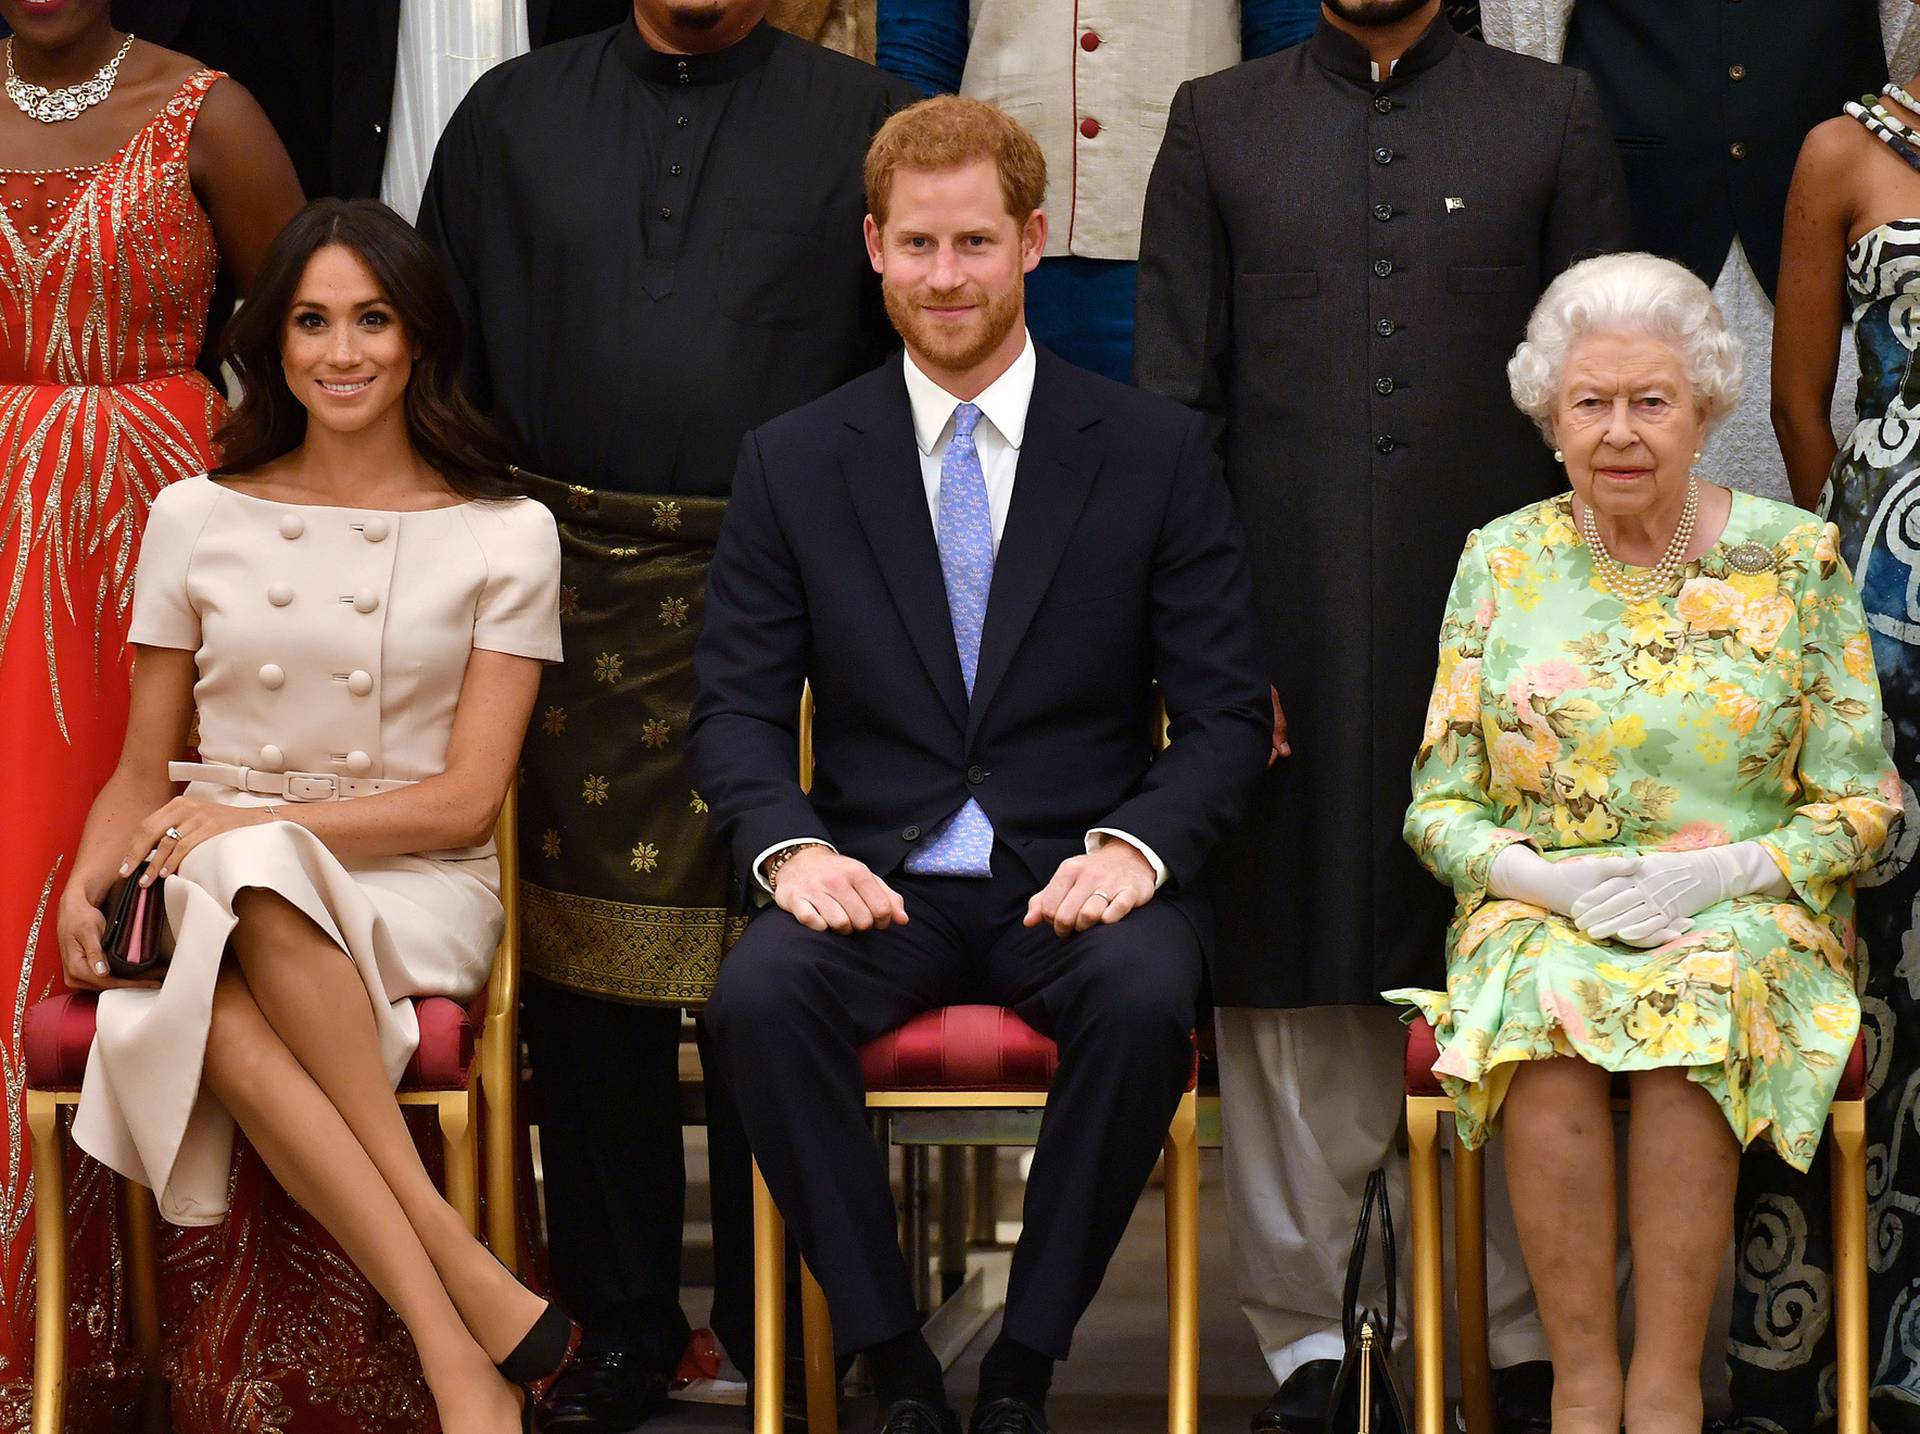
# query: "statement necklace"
[1655,581]
[69,101]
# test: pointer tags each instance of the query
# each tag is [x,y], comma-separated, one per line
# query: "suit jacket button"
[1385,328]
[1385,443]
[910,834]
[1383,155]
[1383,212]
[1383,386]
[976,775]
[1382,105]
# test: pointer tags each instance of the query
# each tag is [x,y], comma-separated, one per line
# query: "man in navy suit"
[982,559]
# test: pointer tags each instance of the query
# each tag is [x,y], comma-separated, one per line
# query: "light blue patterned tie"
[963,845]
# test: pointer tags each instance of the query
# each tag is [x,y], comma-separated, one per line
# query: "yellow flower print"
[656,733]
[1755,587]
[1709,968]
[1858,656]
[593,791]
[607,667]
[673,612]
[644,857]
[1736,704]
[1463,692]
[1800,927]
[1709,604]
[1833,1019]
[1825,548]
[1519,762]
[1713,750]
[1663,676]
[1596,827]
[1763,621]
[1628,732]
[1649,622]
[550,844]
[1510,566]
[1558,532]
[554,721]
[1868,818]
[696,804]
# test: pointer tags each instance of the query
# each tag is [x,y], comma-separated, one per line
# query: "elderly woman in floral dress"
[1651,764]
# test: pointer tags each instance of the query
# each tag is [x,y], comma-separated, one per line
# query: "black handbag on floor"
[1366,1396]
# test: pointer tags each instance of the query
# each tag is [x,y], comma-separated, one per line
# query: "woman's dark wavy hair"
[459,442]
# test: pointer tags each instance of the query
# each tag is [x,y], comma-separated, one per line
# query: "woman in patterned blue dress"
[1852,249]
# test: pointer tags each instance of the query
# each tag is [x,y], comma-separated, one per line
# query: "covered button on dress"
[329,641]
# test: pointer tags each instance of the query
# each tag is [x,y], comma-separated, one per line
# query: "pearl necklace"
[1656,581]
[68,102]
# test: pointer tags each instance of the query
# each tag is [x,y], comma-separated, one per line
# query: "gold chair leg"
[1849,1156]
[143,1282]
[1429,1324]
[1470,1285]
[499,1152]
[461,1159]
[50,1260]
[769,1310]
[1181,1179]
[816,1344]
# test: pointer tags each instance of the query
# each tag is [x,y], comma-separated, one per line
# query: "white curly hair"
[1635,294]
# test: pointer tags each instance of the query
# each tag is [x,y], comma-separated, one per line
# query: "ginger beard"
[954,344]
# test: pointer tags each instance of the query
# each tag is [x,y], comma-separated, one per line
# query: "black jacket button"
[976,775]
[910,834]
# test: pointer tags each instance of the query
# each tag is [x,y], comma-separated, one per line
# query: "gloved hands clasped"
[1641,900]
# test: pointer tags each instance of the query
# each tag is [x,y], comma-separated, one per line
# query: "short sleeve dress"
[1743,707]
[330,641]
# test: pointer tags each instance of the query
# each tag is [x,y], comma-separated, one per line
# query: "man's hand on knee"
[1096,889]
[825,891]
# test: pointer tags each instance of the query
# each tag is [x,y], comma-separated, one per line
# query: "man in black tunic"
[1342,244]
[654,236]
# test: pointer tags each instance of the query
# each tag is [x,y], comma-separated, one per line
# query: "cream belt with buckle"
[288,786]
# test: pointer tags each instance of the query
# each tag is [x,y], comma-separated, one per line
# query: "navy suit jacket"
[1122,563]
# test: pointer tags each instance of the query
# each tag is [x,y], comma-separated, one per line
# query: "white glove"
[1651,905]
[1521,874]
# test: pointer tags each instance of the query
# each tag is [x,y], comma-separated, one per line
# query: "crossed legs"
[293,1056]
[1681,1166]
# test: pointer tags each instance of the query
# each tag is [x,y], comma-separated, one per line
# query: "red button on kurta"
[1090,127]
[1090,41]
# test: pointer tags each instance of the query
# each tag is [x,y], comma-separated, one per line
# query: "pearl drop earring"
[1558,456]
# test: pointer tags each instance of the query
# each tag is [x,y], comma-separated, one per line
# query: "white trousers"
[1310,1102]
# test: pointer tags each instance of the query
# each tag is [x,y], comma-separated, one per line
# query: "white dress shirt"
[997,437]
[444,46]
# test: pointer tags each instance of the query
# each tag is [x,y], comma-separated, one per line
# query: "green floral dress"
[1743,707]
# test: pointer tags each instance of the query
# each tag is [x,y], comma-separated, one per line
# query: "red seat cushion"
[965,1048]
[961,1048]
[1423,1050]
[60,1033]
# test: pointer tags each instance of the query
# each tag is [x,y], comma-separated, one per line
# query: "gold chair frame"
[1848,1127]
[486,1106]
[1180,1175]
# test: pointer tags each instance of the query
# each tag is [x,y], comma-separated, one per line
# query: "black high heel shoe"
[543,1354]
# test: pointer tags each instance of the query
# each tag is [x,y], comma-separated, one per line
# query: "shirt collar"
[661,68]
[1340,55]
[1003,403]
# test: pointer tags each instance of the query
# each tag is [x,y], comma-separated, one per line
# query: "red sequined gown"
[105,276]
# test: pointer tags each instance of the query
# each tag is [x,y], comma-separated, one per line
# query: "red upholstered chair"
[466,1068]
[1427,1102]
[961,1058]
[953,1058]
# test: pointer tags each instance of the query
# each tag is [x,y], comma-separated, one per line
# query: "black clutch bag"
[1366,1395]
[135,915]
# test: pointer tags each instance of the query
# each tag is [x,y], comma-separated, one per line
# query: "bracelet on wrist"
[780,858]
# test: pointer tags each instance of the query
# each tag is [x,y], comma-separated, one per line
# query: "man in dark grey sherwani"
[1341,247]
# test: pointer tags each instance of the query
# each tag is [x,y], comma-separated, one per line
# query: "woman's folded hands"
[1641,900]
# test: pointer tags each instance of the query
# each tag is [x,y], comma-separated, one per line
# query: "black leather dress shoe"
[916,1416]
[1007,1416]
[1523,1398]
[602,1392]
[1301,1405]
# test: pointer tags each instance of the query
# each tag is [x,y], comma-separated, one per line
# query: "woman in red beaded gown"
[125,183]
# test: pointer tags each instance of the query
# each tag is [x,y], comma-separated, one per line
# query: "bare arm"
[242,176]
[1809,312]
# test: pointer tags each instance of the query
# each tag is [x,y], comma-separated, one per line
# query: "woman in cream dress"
[358,611]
